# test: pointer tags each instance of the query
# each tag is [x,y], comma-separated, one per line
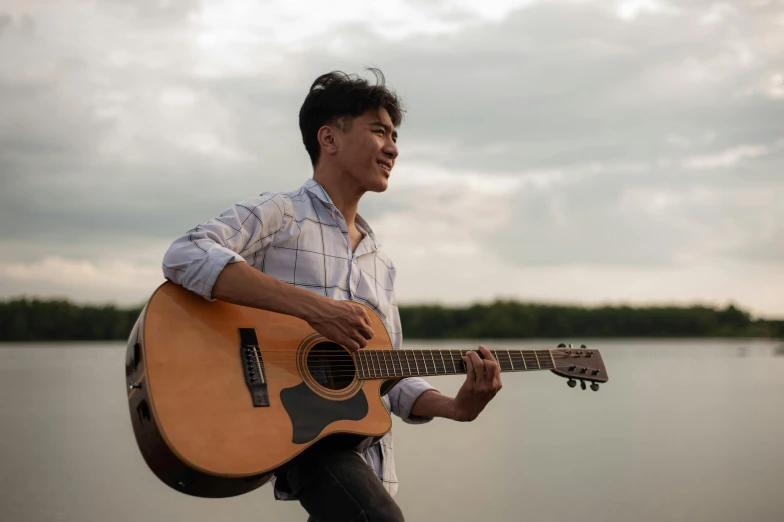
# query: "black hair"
[336,98]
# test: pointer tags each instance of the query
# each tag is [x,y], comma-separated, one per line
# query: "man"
[307,253]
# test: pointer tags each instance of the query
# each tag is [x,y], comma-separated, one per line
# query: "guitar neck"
[374,364]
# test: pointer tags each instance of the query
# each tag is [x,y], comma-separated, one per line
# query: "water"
[684,430]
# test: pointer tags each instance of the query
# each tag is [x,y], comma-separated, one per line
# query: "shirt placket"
[352,257]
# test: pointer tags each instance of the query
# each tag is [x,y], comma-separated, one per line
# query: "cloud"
[619,137]
[78,277]
[726,158]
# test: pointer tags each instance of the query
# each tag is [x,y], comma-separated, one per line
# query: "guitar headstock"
[581,364]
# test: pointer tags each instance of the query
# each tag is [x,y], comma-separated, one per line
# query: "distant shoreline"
[23,320]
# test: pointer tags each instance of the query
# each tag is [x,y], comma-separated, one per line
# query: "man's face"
[367,151]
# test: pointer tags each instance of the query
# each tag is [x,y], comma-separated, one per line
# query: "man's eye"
[379,131]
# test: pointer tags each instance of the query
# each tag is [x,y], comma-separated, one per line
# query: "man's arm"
[482,383]
[344,322]
[210,261]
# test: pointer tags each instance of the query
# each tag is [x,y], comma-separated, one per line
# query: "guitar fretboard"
[374,364]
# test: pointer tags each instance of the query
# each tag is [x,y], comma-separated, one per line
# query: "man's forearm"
[241,284]
[433,404]
[343,322]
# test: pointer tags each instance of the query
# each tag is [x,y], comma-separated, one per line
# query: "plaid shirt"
[302,239]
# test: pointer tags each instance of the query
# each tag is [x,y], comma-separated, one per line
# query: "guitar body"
[221,395]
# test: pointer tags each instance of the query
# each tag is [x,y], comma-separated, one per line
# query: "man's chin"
[380,185]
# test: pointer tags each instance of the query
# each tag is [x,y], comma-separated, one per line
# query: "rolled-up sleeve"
[403,396]
[196,259]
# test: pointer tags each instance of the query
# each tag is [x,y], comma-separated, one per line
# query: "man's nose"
[390,149]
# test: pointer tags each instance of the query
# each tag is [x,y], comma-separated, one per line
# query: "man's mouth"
[386,166]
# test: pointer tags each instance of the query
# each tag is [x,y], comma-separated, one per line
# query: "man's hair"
[336,98]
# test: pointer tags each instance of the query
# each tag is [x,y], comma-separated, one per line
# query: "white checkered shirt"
[302,239]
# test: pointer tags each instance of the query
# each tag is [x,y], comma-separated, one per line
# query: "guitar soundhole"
[331,366]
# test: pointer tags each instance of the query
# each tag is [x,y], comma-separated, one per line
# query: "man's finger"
[492,370]
[479,366]
[367,332]
[360,340]
[486,353]
[366,318]
[471,373]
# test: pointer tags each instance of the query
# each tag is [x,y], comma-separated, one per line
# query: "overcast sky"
[560,151]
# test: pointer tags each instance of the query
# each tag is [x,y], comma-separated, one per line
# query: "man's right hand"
[344,322]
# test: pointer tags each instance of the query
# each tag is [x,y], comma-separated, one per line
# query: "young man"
[307,253]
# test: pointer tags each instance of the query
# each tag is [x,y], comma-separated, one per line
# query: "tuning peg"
[595,386]
[583,346]
[561,345]
[582,384]
[572,383]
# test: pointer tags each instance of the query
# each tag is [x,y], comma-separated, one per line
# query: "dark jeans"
[339,486]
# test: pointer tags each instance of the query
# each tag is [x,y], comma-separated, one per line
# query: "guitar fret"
[383,354]
[416,363]
[433,360]
[537,360]
[363,358]
[508,354]
[441,353]
[525,364]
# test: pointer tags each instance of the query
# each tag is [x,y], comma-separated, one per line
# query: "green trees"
[24,320]
[510,320]
[35,320]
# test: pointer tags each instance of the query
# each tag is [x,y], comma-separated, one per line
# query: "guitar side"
[192,413]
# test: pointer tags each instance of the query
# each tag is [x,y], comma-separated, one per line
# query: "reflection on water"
[684,430]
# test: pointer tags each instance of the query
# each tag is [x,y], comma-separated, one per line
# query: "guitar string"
[356,375]
[372,360]
[418,357]
[350,368]
[370,351]
[370,373]
[435,352]
[379,365]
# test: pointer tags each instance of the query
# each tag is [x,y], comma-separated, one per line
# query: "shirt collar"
[315,188]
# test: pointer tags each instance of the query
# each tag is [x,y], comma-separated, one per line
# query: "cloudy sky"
[561,151]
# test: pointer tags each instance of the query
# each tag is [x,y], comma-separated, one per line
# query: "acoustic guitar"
[221,395]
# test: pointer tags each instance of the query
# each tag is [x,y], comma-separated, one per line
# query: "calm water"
[684,430]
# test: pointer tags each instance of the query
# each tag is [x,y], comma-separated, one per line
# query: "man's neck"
[344,195]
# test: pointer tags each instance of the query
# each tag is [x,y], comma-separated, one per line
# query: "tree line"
[59,320]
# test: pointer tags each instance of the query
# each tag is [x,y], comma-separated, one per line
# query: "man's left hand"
[482,383]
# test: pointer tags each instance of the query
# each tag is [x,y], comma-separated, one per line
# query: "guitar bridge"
[253,367]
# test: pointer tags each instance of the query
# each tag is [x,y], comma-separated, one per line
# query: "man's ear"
[326,138]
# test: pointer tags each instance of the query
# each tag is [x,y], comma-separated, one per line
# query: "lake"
[685,430]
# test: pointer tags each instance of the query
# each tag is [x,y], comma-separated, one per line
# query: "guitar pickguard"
[310,413]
